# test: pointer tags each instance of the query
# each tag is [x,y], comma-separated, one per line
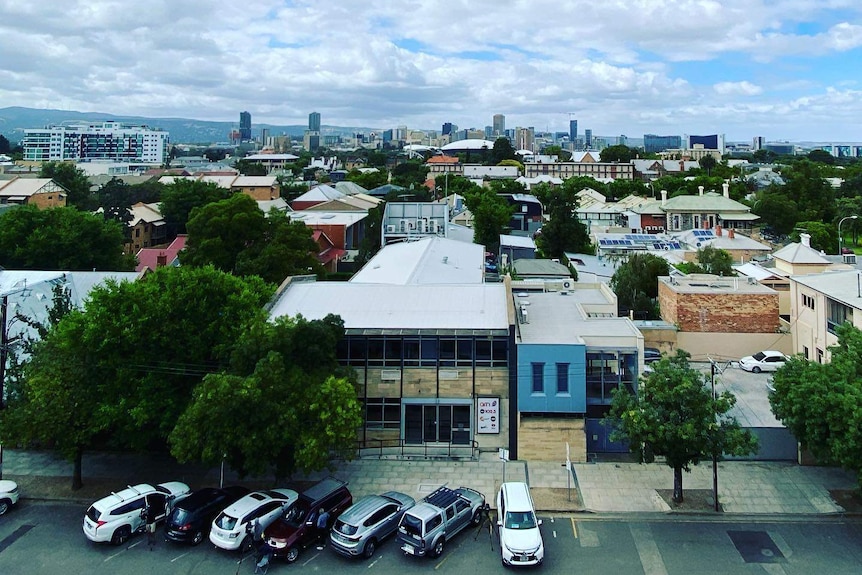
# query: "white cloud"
[744,88]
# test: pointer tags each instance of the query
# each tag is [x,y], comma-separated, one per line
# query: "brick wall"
[722,312]
[544,439]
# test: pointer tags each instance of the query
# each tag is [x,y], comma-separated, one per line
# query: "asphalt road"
[43,538]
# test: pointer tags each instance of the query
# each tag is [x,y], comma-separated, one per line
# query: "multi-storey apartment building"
[109,141]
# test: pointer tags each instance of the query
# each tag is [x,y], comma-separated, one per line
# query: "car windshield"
[759,356]
[520,520]
[180,516]
[226,522]
[345,528]
[296,514]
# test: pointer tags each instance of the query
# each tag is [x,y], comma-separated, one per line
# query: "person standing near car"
[322,528]
[149,514]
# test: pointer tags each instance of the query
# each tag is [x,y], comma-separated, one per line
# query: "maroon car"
[297,528]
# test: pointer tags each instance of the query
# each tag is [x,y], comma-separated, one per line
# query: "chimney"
[725,187]
[730,233]
[700,190]
[663,197]
[805,239]
[718,231]
[161,260]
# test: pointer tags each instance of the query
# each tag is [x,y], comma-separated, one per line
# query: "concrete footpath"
[606,487]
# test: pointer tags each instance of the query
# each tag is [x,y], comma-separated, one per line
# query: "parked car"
[8,495]
[114,518]
[428,525]
[228,530]
[520,537]
[763,361]
[364,525]
[191,518]
[651,354]
[297,529]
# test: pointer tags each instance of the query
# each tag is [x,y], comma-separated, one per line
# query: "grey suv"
[369,521]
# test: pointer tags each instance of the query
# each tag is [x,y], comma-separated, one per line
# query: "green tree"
[411,172]
[491,215]
[249,168]
[819,402]
[297,405]
[715,261]
[182,196]
[368,180]
[506,187]
[619,153]
[821,156]
[114,198]
[5,147]
[707,162]
[823,236]
[61,239]
[636,284]
[502,150]
[562,230]
[562,155]
[370,243]
[73,180]
[675,415]
[513,163]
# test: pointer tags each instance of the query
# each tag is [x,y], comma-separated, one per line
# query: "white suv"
[520,538]
[8,495]
[114,518]
[230,529]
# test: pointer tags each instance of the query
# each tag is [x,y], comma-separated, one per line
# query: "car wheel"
[4,506]
[292,554]
[199,536]
[755,369]
[121,535]
[370,548]
[438,547]
[477,517]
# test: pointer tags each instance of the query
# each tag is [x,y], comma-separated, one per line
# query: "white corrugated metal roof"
[312,218]
[432,260]
[377,306]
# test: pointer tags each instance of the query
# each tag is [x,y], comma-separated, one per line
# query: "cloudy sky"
[783,69]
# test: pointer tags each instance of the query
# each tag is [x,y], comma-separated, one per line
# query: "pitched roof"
[443,160]
[710,201]
[800,254]
[147,213]
[430,260]
[26,187]
[321,193]
[349,188]
[148,258]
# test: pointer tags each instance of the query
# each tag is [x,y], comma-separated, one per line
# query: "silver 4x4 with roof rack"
[425,528]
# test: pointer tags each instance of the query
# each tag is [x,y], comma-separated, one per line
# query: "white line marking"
[180,557]
[316,555]
[370,565]
[555,533]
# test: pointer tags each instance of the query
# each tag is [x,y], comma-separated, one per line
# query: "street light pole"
[840,237]
[714,454]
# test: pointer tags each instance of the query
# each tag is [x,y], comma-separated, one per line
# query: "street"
[46,538]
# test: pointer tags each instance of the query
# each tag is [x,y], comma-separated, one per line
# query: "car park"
[520,538]
[116,517]
[297,529]
[230,528]
[365,524]
[8,495]
[436,519]
[763,361]
[191,518]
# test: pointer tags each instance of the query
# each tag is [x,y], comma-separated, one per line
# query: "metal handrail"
[402,445]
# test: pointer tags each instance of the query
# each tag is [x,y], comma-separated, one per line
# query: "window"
[501,352]
[382,413]
[450,512]
[538,378]
[447,352]
[429,351]
[808,301]
[836,314]
[819,355]
[465,352]
[805,352]
[358,351]
[411,351]
[483,352]
[392,349]
[375,351]
[562,379]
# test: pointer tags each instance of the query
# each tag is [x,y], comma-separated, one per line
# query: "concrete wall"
[544,439]
[730,346]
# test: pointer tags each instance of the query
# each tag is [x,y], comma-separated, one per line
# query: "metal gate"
[598,438]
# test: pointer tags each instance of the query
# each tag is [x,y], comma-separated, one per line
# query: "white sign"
[488,415]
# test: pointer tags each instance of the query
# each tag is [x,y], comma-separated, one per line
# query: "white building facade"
[101,141]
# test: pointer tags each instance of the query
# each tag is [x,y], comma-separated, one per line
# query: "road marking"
[180,557]
[648,552]
[311,559]
[133,545]
[370,565]
[441,563]
[555,533]
[574,528]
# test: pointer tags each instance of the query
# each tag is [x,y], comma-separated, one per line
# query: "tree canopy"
[501,151]
[636,284]
[675,415]
[619,153]
[820,402]
[562,230]
[491,215]
[234,236]
[75,182]
[61,239]
[182,196]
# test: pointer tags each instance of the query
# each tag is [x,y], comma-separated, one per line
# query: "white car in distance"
[763,361]
[229,528]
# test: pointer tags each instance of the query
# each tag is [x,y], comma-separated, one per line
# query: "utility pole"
[714,451]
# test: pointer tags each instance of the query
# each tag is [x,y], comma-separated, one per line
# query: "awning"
[739,217]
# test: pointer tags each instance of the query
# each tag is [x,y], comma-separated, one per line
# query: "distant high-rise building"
[654,144]
[448,128]
[108,141]
[711,142]
[499,127]
[314,121]
[245,126]
[623,140]
[588,139]
[573,130]
[489,132]
[758,143]
[525,139]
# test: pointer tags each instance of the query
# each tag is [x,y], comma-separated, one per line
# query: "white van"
[520,538]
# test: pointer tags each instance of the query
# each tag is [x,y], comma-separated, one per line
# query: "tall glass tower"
[314,121]
[573,131]
[244,126]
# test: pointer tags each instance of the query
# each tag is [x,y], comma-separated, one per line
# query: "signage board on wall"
[488,415]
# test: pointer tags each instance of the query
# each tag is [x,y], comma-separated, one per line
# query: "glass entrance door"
[436,424]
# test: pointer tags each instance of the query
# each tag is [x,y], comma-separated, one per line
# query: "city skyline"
[782,69]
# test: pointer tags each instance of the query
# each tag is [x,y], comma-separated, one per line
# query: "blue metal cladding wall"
[550,401]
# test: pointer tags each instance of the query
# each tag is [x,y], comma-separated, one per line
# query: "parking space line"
[449,554]
[370,565]
[574,528]
[180,557]
[316,555]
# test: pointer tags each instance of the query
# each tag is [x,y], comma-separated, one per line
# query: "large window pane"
[411,352]
[429,351]
[501,352]
[538,378]
[483,352]
[465,352]
[393,352]
[375,351]
[447,352]
[562,378]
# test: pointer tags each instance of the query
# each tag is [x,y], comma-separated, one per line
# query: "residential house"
[439,165]
[345,230]
[513,248]
[601,171]
[328,254]
[151,258]
[257,187]
[527,218]
[272,162]
[147,228]
[40,192]
[531,269]
[316,195]
[706,210]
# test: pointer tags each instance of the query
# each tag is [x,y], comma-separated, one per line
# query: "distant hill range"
[14,120]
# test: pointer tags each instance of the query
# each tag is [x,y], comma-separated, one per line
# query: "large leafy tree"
[61,239]
[675,415]
[502,150]
[491,215]
[249,168]
[619,153]
[114,197]
[182,196]
[636,284]
[410,173]
[368,180]
[715,261]
[820,402]
[562,230]
[236,237]
[823,236]
[75,182]
[295,405]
